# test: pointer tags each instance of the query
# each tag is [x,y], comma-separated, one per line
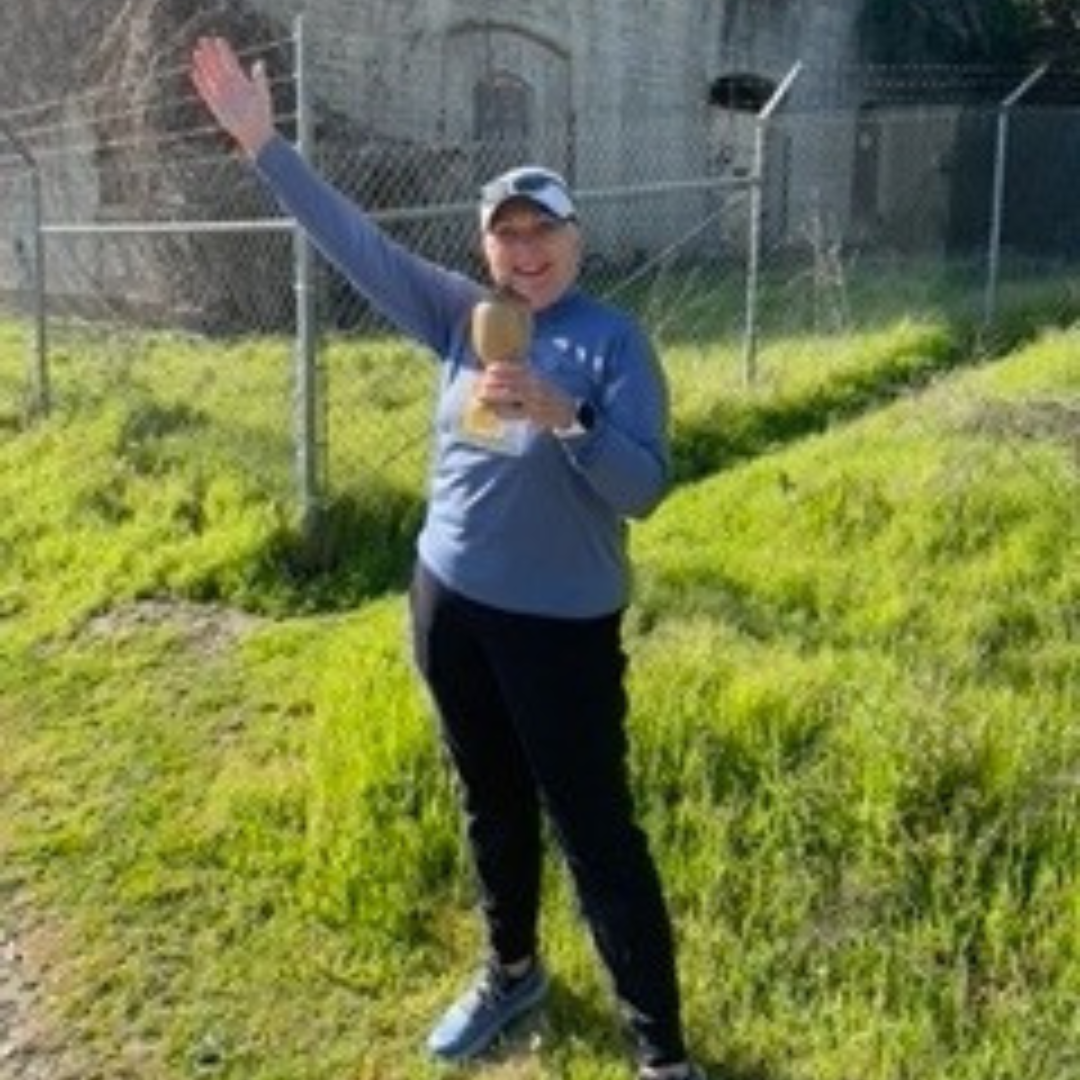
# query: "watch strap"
[584,421]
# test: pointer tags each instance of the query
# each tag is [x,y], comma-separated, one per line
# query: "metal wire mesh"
[150,221]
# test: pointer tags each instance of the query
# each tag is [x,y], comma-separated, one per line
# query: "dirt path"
[28,1050]
[33,1044]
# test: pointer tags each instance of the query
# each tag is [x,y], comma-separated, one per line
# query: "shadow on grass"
[362,546]
[735,431]
[359,548]
[592,1022]
[732,432]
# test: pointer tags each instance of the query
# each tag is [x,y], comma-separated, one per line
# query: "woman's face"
[532,253]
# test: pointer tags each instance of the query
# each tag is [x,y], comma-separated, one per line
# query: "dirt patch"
[205,628]
[32,1044]
[1057,420]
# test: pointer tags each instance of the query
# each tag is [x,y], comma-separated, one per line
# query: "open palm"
[240,102]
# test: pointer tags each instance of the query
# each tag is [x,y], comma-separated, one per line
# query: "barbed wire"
[883,84]
[150,142]
[171,76]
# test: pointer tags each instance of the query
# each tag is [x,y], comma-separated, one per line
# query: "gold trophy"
[500,331]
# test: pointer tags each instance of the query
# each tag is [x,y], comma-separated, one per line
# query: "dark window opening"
[741,92]
[503,108]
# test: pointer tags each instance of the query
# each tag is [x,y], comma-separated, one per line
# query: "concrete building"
[615,93]
[644,104]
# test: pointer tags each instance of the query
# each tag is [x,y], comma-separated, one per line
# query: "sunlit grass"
[856,681]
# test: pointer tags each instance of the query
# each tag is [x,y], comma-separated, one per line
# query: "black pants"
[532,712]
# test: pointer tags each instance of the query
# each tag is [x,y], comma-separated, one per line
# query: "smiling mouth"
[530,272]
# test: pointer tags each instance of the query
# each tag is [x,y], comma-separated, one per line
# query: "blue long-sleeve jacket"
[525,522]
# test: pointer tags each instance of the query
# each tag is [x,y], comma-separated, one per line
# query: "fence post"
[757,209]
[997,206]
[306,388]
[40,391]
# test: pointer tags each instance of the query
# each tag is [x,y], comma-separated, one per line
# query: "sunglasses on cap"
[520,183]
[545,189]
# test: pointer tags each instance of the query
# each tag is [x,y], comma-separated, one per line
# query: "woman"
[521,576]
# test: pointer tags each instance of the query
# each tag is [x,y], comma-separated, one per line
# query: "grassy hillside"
[856,687]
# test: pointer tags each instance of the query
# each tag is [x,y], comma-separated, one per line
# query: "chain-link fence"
[727,227]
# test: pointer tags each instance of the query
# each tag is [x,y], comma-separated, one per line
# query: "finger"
[203,85]
[207,87]
[224,58]
[208,55]
[218,63]
[261,78]
[206,68]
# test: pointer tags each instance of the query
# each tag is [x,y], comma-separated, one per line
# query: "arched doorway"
[507,97]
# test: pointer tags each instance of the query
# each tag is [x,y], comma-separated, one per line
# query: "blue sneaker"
[485,1011]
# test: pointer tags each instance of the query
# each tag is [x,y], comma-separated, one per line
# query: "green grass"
[856,681]
[875,640]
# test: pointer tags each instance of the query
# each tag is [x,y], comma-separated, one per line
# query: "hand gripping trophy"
[501,329]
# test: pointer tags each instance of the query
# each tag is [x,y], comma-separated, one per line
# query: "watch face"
[586,416]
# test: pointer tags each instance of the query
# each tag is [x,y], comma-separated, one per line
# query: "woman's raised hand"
[239,101]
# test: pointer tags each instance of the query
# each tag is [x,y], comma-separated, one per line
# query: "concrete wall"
[618,89]
[616,94]
[605,66]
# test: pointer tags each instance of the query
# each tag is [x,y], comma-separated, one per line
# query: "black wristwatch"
[584,421]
